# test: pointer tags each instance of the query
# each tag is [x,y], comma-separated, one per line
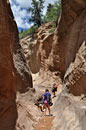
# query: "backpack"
[48,97]
[40,99]
[49,100]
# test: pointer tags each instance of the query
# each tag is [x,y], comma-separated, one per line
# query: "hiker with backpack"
[39,103]
[47,99]
[54,89]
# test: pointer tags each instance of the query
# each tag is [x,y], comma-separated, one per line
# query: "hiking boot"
[54,96]
[50,114]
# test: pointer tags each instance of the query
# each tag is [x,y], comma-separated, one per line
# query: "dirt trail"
[45,123]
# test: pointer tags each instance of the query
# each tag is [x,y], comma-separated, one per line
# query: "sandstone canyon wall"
[38,49]
[64,54]
[71,31]
[7,77]
[13,68]
[72,44]
[41,53]
[23,75]
[71,40]
[52,53]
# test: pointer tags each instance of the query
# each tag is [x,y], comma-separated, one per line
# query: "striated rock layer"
[70,110]
[71,39]
[71,31]
[41,54]
[8,112]
[75,77]
[38,49]
[52,53]
[11,70]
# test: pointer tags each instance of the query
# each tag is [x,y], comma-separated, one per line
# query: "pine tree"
[49,7]
[36,12]
[53,11]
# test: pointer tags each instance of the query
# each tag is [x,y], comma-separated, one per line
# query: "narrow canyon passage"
[46,122]
[55,52]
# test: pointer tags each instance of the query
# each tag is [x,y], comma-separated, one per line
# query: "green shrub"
[30,31]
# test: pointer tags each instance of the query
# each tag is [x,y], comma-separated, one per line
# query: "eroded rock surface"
[8,111]
[38,49]
[41,54]
[28,113]
[71,31]
[75,77]
[22,71]
[63,53]
[71,39]
[70,113]
[14,73]
[70,110]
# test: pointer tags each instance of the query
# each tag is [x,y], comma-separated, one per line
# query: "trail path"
[45,123]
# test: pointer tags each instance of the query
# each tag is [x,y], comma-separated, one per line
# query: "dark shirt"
[47,94]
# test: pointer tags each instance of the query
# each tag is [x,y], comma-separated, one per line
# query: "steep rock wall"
[38,49]
[22,71]
[31,52]
[71,40]
[54,52]
[72,36]
[39,53]
[75,77]
[9,47]
[71,31]
[7,78]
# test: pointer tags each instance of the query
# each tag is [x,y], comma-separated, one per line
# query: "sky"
[21,14]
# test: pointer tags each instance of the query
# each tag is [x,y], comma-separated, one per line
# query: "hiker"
[39,103]
[47,99]
[54,89]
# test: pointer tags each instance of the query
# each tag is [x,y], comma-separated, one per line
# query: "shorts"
[54,89]
[46,103]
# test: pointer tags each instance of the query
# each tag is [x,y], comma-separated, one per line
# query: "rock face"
[70,113]
[72,36]
[31,52]
[39,53]
[63,52]
[72,52]
[28,113]
[75,77]
[54,52]
[38,49]
[9,48]
[22,71]
[71,31]
[7,77]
